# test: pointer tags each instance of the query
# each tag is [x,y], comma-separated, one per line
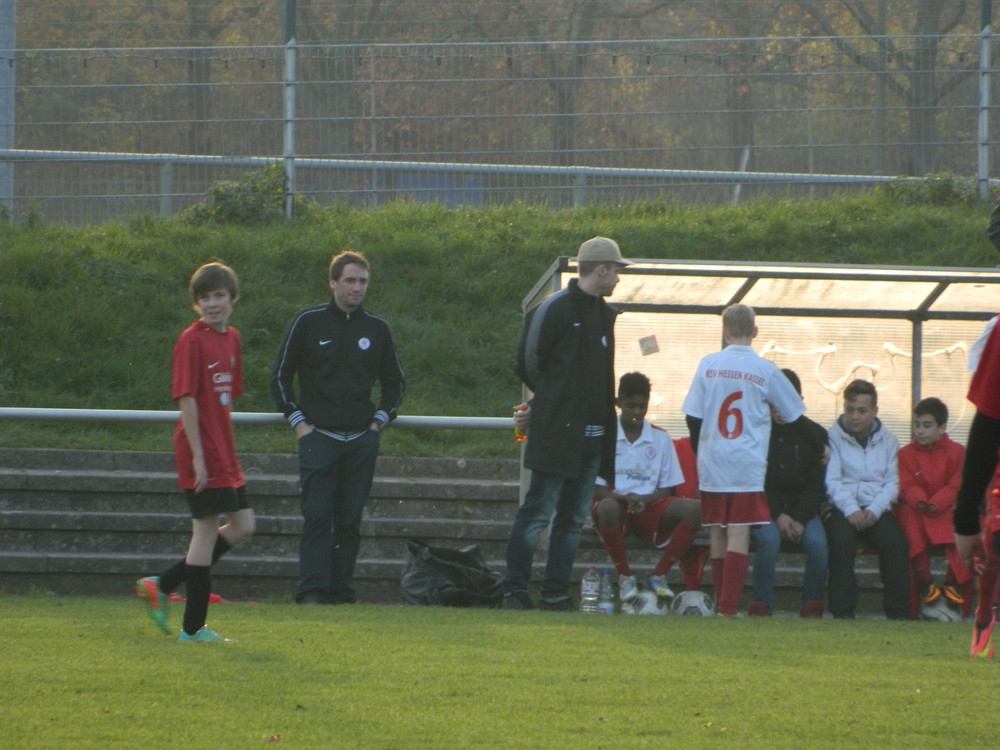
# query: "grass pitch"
[87,673]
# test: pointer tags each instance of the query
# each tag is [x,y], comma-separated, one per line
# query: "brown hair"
[587,267]
[346,258]
[861,388]
[212,276]
[933,407]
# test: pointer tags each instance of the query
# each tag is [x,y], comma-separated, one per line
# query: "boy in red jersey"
[728,410]
[207,376]
[979,548]
[930,469]
[642,501]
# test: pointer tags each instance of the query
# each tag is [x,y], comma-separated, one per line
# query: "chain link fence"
[94,135]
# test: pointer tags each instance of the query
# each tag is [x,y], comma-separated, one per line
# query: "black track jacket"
[338,357]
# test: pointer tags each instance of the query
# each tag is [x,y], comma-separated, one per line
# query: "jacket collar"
[937,446]
[575,290]
[646,436]
[872,437]
[340,314]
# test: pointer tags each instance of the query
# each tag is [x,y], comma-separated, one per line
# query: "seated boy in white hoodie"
[862,482]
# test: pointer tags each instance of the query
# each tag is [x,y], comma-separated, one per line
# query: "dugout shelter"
[908,330]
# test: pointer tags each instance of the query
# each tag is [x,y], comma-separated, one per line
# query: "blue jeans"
[767,541]
[335,478]
[569,499]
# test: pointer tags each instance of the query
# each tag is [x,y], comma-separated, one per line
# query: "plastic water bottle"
[520,433]
[590,591]
[606,597]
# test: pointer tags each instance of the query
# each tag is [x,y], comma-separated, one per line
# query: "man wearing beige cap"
[566,357]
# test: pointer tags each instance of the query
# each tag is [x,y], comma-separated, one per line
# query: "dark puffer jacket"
[796,476]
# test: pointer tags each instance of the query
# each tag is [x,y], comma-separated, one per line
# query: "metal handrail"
[240,418]
[406,165]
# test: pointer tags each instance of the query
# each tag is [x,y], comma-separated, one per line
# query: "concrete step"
[122,532]
[55,460]
[77,521]
[104,491]
[94,521]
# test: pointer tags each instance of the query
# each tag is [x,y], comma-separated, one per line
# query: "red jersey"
[208,367]
[932,476]
[984,390]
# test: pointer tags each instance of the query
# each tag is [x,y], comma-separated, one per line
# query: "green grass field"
[82,673]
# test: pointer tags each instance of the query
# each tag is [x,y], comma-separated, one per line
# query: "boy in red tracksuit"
[930,470]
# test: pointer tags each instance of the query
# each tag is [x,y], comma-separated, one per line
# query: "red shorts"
[990,521]
[645,525]
[992,517]
[734,508]
[990,544]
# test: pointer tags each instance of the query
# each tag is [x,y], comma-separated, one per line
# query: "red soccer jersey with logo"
[208,367]
[984,390]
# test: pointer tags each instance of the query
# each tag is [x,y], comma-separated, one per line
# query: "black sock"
[199,588]
[174,576]
[221,548]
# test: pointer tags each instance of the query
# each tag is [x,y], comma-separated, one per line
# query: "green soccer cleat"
[148,589]
[204,635]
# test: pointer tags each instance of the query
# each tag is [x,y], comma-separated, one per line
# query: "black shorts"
[214,502]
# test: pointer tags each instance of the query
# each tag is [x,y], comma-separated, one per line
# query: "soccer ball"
[645,603]
[939,611]
[693,604]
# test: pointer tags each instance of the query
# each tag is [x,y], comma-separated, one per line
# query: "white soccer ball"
[693,604]
[645,603]
[939,611]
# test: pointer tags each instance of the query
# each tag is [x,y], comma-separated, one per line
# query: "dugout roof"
[906,329]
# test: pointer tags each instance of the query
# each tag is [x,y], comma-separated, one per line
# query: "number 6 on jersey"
[729,411]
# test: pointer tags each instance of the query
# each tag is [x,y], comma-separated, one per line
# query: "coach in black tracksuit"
[338,351]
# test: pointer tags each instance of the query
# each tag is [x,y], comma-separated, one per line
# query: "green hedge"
[89,315]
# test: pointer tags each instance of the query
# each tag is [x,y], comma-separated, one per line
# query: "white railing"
[240,418]
[580,177]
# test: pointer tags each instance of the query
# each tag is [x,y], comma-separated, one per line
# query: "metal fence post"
[984,103]
[291,60]
[580,190]
[166,189]
[8,72]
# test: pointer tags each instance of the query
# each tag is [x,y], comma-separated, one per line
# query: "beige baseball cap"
[601,250]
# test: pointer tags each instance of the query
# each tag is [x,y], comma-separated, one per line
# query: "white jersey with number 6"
[731,394]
